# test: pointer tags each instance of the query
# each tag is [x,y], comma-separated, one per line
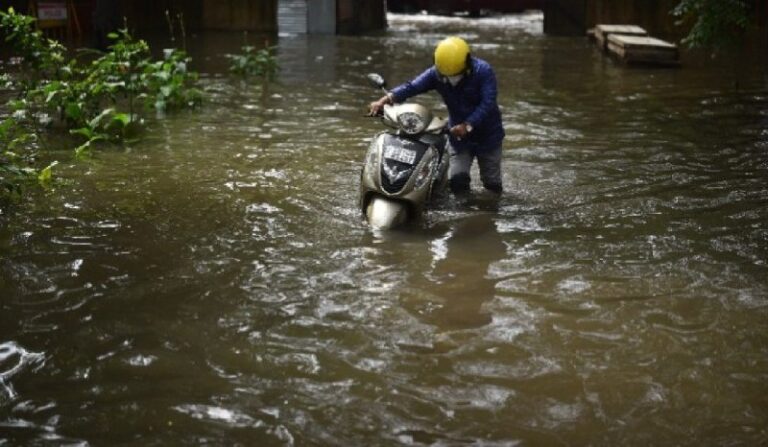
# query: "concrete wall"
[306,16]
[321,16]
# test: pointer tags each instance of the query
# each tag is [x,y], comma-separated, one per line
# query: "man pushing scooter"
[467,85]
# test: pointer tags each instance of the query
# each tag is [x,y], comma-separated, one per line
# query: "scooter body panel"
[400,175]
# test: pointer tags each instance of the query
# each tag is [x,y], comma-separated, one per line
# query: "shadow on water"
[450,292]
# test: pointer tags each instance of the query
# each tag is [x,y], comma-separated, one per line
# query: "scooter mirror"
[376,80]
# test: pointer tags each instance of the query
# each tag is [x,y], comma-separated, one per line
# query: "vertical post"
[321,16]
[293,16]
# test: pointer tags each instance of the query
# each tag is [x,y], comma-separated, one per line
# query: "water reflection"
[307,59]
[450,293]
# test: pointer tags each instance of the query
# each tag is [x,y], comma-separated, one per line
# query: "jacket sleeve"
[488,92]
[420,84]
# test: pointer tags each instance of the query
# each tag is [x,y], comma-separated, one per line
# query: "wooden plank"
[603,31]
[643,50]
[621,29]
[641,41]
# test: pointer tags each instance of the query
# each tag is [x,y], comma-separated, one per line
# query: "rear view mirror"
[376,80]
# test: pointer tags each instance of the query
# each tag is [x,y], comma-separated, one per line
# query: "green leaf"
[94,123]
[46,174]
[73,111]
[17,104]
[83,150]
[84,131]
[123,118]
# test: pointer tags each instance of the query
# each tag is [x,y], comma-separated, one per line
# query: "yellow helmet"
[451,56]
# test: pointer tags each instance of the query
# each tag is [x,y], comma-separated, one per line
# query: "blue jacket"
[473,101]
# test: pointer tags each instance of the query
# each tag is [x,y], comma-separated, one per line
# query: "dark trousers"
[489,162]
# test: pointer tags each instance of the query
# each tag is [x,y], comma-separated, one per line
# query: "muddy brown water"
[214,283]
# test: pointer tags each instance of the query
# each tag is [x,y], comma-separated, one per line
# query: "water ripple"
[15,361]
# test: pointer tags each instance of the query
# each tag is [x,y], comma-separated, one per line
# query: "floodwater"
[214,283]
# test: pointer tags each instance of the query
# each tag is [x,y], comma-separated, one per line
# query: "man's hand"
[375,108]
[460,130]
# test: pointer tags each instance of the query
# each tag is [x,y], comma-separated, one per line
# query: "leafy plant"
[6,83]
[166,82]
[15,158]
[89,99]
[46,174]
[41,58]
[77,93]
[109,125]
[11,178]
[716,23]
[253,62]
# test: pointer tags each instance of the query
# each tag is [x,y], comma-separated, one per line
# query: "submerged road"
[215,283]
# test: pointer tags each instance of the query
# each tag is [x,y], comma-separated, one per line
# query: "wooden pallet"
[602,32]
[643,50]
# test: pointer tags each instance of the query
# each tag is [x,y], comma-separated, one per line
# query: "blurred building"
[261,16]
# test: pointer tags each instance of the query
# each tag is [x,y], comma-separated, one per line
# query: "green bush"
[98,100]
[714,23]
[15,159]
[253,62]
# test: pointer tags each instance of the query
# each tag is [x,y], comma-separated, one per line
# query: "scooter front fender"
[383,213]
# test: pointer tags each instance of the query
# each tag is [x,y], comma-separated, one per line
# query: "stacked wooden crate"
[631,44]
[602,32]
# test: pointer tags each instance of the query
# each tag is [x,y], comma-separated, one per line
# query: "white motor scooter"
[404,167]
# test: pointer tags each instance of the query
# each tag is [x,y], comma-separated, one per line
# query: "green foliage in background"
[167,82]
[253,62]
[714,23]
[94,96]
[15,158]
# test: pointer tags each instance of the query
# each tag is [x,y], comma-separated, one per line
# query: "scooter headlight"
[371,164]
[425,173]
[411,123]
[371,159]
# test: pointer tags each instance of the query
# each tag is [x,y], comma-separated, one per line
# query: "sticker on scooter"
[400,154]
